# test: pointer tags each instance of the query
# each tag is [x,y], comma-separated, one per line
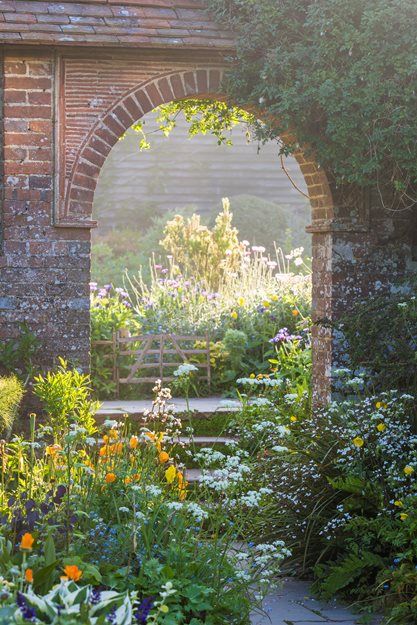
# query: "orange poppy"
[27,542]
[73,572]
[29,576]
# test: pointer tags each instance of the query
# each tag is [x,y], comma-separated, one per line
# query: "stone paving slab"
[293,604]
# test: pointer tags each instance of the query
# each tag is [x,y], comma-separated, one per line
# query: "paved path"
[293,604]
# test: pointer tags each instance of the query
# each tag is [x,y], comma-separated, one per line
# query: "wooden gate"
[143,358]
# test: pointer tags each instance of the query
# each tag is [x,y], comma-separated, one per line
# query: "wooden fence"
[156,355]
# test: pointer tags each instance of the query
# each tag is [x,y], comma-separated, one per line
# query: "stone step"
[196,440]
[192,475]
[200,407]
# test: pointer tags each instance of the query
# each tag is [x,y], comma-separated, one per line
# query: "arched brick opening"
[205,82]
[73,76]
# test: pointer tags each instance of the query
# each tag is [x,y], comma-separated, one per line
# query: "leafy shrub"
[16,354]
[11,394]
[380,339]
[65,395]
[200,252]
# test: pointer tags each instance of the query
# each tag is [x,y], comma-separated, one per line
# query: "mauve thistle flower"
[283,336]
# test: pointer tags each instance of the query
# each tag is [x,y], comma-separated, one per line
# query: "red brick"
[27,82]
[202,82]
[85,181]
[143,101]
[15,97]
[132,107]
[190,83]
[39,97]
[177,87]
[154,95]
[16,111]
[123,116]
[112,122]
[93,157]
[165,89]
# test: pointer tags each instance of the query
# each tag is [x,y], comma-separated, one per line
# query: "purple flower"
[93,286]
[95,596]
[107,287]
[142,612]
[102,293]
[283,336]
[28,613]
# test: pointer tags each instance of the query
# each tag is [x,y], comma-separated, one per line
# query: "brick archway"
[76,192]
[74,76]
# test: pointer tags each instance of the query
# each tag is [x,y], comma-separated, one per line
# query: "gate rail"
[160,353]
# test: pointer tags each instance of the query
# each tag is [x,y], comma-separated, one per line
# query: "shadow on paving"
[293,604]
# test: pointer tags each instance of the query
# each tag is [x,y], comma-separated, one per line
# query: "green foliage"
[341,75]
[11,394]
[65,395]
[235,343]
[204,116]
[380,337]
[16,354]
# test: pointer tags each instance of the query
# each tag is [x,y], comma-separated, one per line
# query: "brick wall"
[63,112]
[45,274]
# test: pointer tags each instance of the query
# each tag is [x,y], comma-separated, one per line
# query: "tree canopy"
[341,75]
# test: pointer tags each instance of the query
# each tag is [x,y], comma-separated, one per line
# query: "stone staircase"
[200,408]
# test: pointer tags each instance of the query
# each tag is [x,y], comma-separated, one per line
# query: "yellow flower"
[240,301]
[358,442]
[398,503]
[29,576]
[134,441]
[295,312]
[170,474]
[403,516]
[293,418]
[110,478]
[408,470]
[381,427]
[274,298]
[73,572]
[182,494]
[380,404]
[27,542]
[163,457]
[252,376]
[266,303]
[234,314]
[113,434]
[164,609]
